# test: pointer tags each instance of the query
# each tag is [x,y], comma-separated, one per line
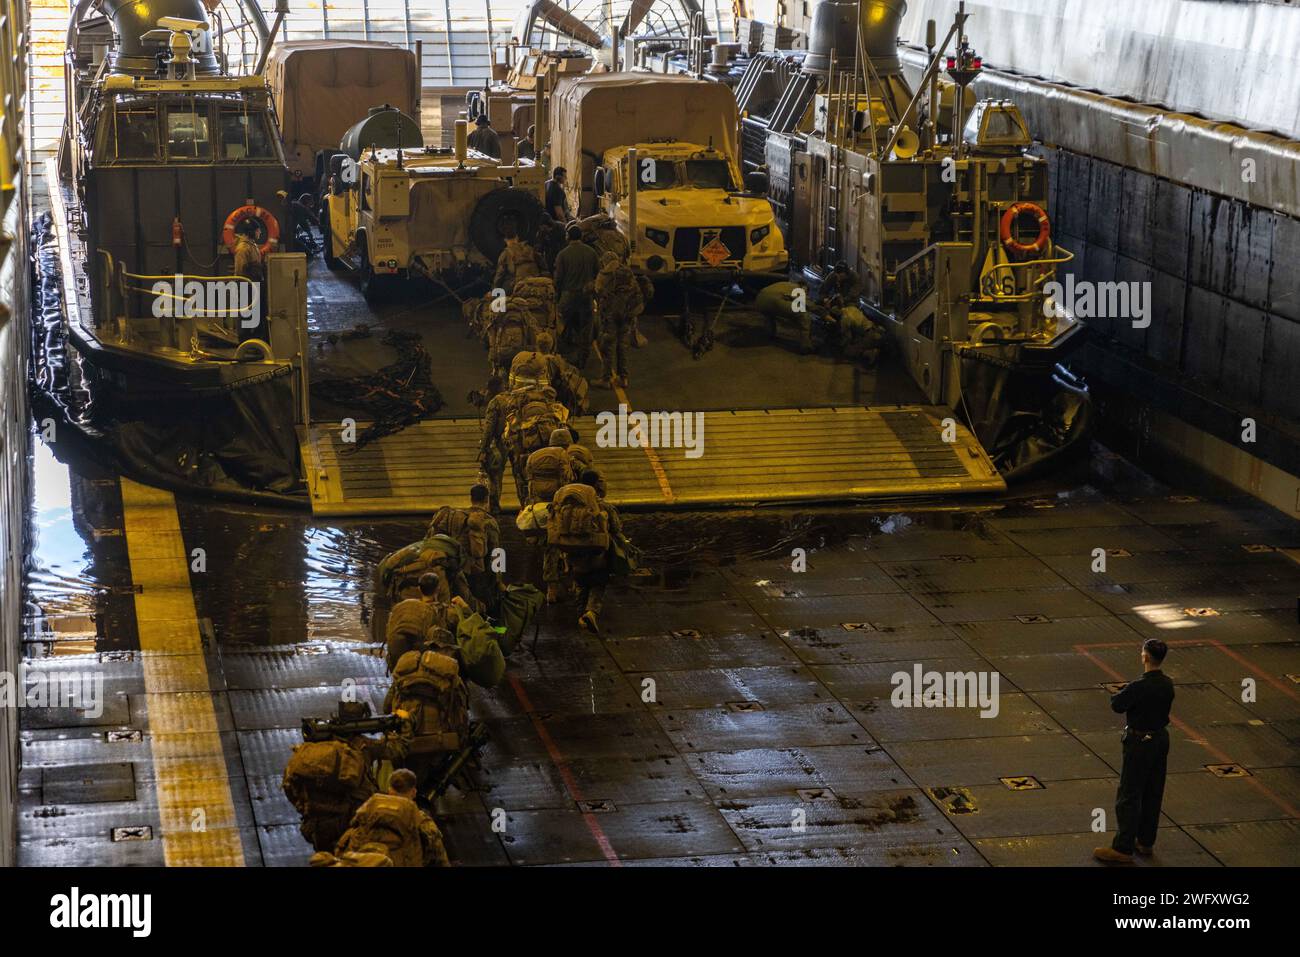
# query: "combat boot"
[1108,855]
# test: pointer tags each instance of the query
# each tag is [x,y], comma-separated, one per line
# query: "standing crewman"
[249,265]
[557,203]
[526,148]
[484,580]
[583,527]
[492,453]
[1145,703]
[519,260]
[484,138]
[576,267]
[619,300]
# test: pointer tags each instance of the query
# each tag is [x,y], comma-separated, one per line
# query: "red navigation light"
[952,62]
[975,63]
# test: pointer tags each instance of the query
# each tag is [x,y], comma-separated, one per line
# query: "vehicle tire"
[491,213]
[372,286]
[332,262]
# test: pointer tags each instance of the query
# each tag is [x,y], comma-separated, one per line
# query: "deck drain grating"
[596,807]
[954,800]
[1228,771]
[744,706]
[134,832]
[1023,782]
[809,795]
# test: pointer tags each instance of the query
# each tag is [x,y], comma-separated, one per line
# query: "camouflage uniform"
[619,298]
[326,815]
[837,289]
[575,271]
[491,450]
[519,260]
[430,852]
[590,572]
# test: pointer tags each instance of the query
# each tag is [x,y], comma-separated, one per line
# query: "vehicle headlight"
[657,236]
[756,236]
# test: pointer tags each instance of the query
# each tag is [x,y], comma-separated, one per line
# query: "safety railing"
[991,288]
[167,313]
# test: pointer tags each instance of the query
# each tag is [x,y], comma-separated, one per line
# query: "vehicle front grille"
[687,241]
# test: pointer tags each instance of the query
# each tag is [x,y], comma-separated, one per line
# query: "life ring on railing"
[253,350]
[269,225]
[1014,212]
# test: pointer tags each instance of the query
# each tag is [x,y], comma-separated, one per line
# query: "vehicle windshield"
[709,174]
[134,131]
[655,173]
[187,132]
[245,135]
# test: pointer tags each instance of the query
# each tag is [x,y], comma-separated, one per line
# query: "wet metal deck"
[775,455]
[769,699]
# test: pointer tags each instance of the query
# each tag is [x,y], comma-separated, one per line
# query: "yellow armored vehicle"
[433,212]
[658,154]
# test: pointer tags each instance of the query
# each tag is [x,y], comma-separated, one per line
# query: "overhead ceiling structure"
[553,24]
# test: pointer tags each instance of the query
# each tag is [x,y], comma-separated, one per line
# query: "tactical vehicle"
[433,212]
[658,154]
[320,88]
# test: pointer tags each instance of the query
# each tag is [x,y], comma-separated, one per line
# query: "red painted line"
[1195,736]
[561,765]
[1242,659]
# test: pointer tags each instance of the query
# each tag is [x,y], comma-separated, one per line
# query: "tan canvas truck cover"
[322,87]
[598,112]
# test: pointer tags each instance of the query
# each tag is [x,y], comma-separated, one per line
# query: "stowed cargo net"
[400,394]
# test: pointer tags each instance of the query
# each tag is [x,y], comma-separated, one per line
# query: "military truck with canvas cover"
[692,215]
[322,87]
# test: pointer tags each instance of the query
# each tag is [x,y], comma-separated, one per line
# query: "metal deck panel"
[749,456]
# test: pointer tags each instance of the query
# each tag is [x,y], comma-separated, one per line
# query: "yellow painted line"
[197,812]
[656,466]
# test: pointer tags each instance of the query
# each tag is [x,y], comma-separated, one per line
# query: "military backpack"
[323,776]
[577,520]
[468,527]
[533,416]
[427,686]
[392,821]
[548,470]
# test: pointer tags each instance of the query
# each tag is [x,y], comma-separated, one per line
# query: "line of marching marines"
[364,784]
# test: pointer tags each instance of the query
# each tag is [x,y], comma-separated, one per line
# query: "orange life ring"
[1044,229]
[269,223]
